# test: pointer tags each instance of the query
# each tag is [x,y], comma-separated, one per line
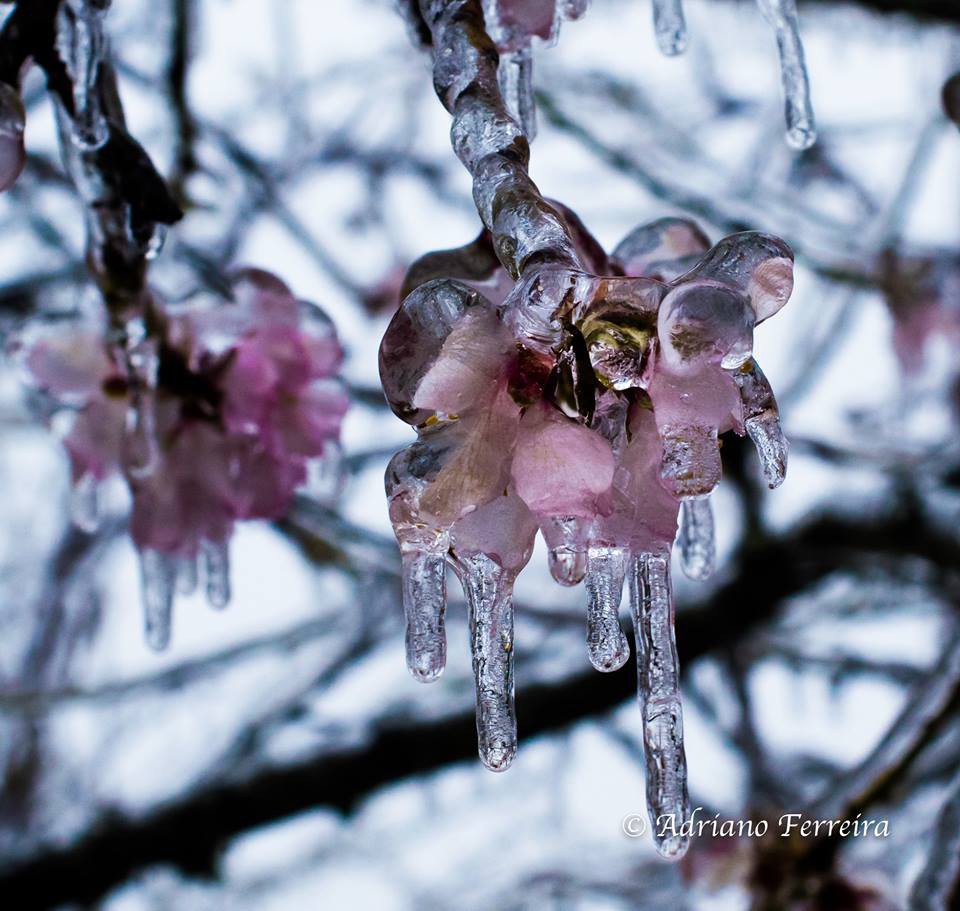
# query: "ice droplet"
[515,75]
[697,547]
[424,606]
[489,593]
[782,15]
[761,420]
[658,682]
[670,27]
[606,644]
[140,452]
[216,572]
[84,504]
[567,553]
[158,574]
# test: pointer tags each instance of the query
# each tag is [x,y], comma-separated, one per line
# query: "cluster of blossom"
[243,394]
[514,25]
[585,403]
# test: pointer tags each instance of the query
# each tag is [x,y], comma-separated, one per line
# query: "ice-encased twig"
[515,75]
[489,593]
[658,690]
[490,142]
[761,419]
[606,644]
[424,606]
[782,15]
[158,577]
[696,539]
[669,26]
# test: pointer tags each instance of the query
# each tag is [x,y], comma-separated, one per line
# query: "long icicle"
[489,593]
[782,15]
[606,644]
[424,606]
[696,540]
[658,689]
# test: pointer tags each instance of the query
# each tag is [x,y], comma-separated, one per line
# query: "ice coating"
[212,419]
[798,111]
[589,406]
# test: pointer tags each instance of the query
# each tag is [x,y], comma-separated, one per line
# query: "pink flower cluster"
[584,404]
[243,394]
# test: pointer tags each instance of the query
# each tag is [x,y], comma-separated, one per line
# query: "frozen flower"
[244,394]
[588,405]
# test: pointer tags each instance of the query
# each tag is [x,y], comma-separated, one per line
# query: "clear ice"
[158,579]
[697,547]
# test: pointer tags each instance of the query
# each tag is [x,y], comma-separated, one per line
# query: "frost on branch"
[245,395]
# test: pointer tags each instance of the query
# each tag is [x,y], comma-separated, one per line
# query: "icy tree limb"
[490,143]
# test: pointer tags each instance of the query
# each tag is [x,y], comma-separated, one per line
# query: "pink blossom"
[245,395]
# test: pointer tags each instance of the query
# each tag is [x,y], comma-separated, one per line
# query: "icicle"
[424,606]
[187,576]
[515,76]
[658,681]
[489,593]
[84,504]
[670,27]
[697,547]
[782,15]
[606,644]
[158,573]
[567,554]
[761,420]
[216,572]
[140,453]
[82,46]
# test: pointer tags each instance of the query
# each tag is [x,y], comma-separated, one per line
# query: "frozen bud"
[951,98]
[442,351]
[12,124]
[703,323]
[759,265]
[663,249]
